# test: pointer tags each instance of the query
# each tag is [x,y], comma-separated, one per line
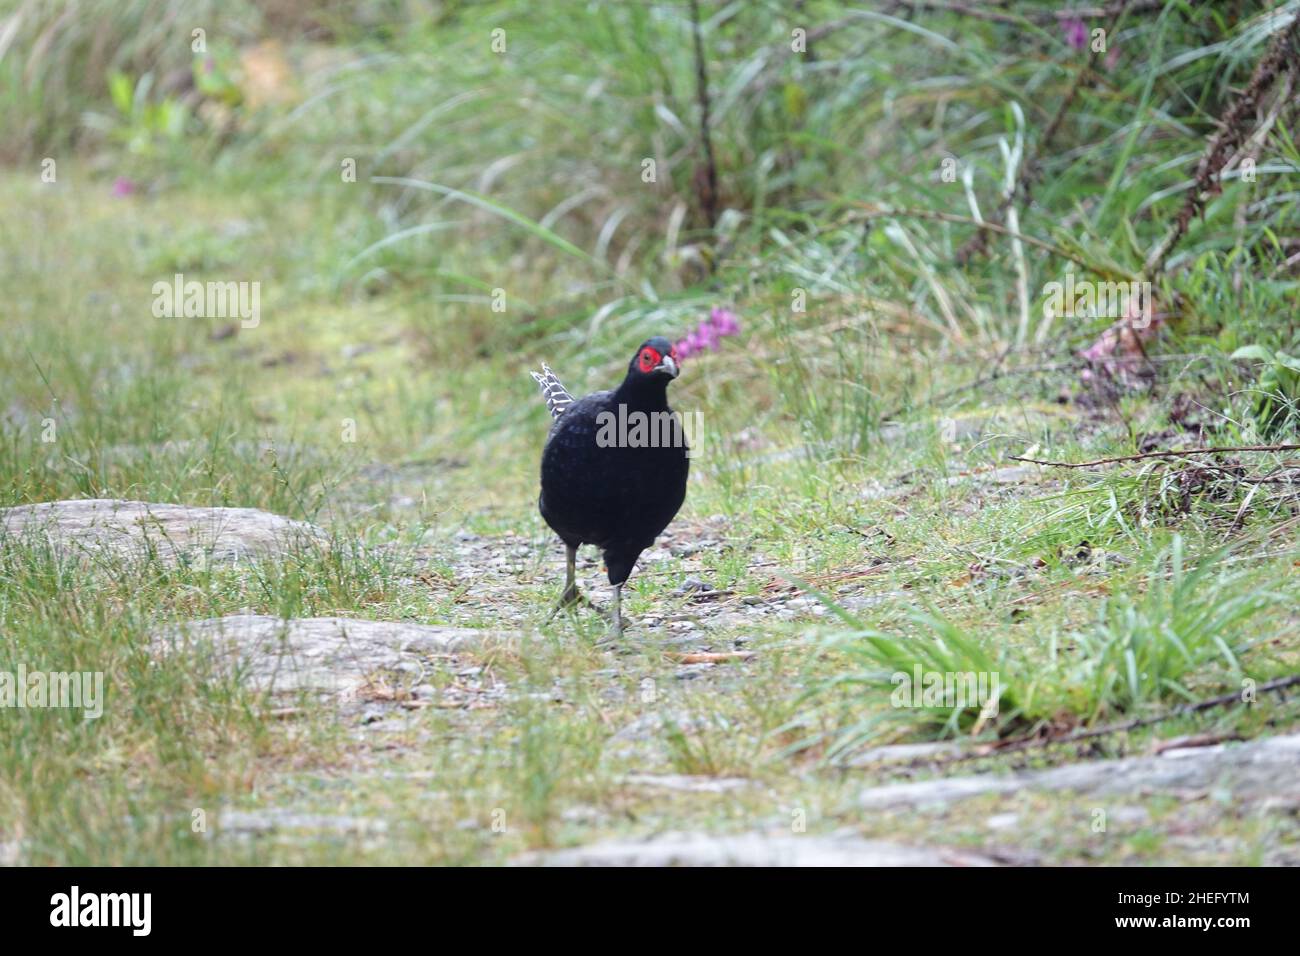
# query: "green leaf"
[120,90]
[1289,361]
[495,208]
[1257,352]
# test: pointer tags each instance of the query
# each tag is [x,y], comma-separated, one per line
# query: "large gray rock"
[106,527]
[329,656]
[1257,769]
[753,849]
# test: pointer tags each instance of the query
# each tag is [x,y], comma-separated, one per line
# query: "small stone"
[692,671]
[1129,816]
[694,584]
[393,725]
[583,815]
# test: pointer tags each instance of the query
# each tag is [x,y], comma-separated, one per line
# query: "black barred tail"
[557,396]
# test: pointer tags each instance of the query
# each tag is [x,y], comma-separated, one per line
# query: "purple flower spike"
[724,321]
[123,187]
[1076,32]
[709,334]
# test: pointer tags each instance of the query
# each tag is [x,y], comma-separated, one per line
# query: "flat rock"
[685,783]
[106,527]
[330,656]
[903,753]
[753,849]
[1258,769]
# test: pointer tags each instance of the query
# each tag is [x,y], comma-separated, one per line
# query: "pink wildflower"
[1076,32]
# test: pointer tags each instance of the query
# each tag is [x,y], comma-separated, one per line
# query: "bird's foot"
[616,618]
[571,597]
[612,636]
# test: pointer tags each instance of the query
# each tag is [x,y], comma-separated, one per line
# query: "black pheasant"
[614,466]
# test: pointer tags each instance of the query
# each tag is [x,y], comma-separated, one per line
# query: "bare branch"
[1182,453]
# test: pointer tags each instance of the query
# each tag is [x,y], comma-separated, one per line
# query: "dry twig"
[707,657]
[1181,453]
[1026,743]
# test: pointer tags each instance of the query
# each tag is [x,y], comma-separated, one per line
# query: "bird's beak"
[668,364]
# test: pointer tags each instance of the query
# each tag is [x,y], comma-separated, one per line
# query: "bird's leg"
[616,625]
[571,594]
[570,576]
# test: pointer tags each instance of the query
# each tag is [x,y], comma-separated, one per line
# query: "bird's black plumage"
[606,483]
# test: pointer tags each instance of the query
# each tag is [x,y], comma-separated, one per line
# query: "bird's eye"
[649,359]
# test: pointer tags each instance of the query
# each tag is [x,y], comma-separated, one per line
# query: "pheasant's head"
[655,359]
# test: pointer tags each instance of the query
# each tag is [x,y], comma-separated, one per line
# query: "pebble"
[692,671]
[694,584]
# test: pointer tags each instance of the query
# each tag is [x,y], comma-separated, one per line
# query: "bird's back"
[617,497]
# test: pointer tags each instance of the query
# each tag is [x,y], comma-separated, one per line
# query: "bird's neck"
[644,395]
